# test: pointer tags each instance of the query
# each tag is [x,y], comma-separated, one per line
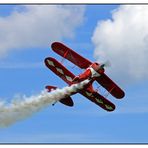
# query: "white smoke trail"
[27,106]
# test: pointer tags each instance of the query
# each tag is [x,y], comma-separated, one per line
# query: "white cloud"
[38,26]
[124,41]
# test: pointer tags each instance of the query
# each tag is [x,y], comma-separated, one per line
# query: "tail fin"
[50,88]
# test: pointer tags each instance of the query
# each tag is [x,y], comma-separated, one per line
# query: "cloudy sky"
[118,33]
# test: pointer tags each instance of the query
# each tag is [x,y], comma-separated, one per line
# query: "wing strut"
[65,54]
[109,92]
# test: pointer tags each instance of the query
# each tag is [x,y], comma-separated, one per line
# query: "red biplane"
[93,72]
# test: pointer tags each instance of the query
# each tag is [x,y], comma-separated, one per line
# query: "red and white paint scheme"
[92,72]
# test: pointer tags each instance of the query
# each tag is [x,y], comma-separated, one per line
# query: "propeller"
[105,64]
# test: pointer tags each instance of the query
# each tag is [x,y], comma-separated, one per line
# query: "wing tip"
[121,95]
[55,44]
[46,60]
[109,106]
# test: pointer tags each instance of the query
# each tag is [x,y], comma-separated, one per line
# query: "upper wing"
[99,100]
[70,55]
[59,70]
[109,85]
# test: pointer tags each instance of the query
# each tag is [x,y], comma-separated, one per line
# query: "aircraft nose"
[101,71]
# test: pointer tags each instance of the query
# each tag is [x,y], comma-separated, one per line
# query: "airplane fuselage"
[93,71]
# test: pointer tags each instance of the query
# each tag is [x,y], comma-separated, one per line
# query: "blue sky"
[22,71]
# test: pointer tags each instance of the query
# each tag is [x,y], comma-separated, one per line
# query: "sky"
[117,33]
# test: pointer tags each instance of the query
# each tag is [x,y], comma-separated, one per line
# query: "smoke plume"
[26,106]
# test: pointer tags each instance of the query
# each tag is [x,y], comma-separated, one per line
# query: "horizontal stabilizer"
[67,101]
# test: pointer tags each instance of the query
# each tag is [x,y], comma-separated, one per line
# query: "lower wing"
[98,99]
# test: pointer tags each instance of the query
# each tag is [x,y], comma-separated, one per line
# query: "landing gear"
[54,103]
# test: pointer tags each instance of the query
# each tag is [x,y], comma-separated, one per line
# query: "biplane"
[92,71]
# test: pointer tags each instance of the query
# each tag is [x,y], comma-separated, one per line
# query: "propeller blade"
[105,64]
